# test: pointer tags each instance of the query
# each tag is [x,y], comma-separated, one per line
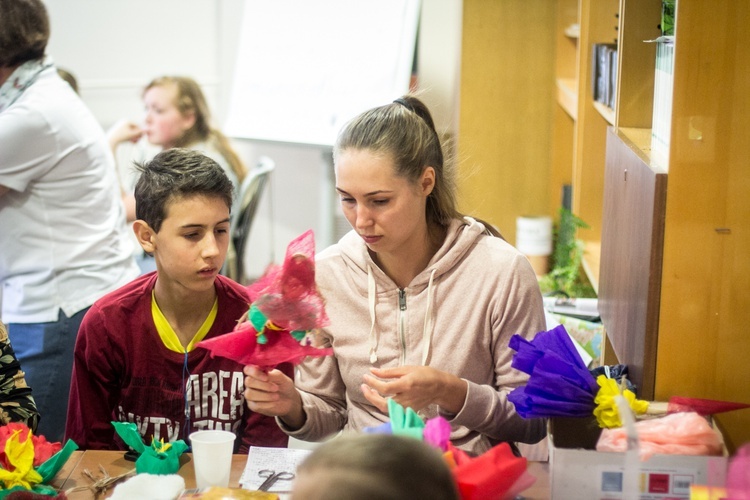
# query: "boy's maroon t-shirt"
[123,372]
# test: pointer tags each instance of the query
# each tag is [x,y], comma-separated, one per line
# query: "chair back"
[250,194]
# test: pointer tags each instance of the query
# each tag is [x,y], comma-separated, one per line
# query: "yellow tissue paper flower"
[606,410]
[160,447]
[21,457]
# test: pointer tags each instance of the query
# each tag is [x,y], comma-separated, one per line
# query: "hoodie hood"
[461,236]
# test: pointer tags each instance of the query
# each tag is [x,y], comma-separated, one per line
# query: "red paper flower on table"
[286,308]
[43,449]
[28,463]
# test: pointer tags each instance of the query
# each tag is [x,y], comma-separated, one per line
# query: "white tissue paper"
[150,487]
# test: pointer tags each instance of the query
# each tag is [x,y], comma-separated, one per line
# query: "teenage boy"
[135,356]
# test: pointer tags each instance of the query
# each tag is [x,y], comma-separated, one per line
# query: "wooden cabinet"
[703,340]
[504,129]
[669,244]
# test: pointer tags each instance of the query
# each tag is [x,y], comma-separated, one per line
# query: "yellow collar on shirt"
[167,334]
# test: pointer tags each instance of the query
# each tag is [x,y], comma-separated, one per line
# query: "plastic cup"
[212,457]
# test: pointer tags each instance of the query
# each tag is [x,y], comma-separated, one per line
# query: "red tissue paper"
[286,309]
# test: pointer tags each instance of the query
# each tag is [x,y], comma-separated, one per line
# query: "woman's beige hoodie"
[456,316]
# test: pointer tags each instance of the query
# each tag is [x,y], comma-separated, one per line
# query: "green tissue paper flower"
[405,422]
[159,458]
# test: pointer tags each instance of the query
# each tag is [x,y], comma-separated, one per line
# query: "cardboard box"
[578,471]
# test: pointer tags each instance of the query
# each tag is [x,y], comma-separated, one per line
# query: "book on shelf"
[604,73]
[612,77]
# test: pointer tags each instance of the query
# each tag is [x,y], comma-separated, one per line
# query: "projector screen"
[304,67]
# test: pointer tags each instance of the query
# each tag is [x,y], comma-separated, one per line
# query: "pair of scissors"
[271,477]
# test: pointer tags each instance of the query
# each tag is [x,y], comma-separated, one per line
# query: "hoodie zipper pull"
[402,299]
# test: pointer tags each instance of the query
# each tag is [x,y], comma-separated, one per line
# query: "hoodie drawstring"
[428,320]
[371,304]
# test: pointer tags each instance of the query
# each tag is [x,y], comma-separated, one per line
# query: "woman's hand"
[414,387]
[273,394]
[123,131]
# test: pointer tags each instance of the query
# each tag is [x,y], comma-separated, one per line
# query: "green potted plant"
[565,277]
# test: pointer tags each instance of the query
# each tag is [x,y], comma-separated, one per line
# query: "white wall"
[114,47]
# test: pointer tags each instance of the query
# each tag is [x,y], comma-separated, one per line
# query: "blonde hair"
[190,99]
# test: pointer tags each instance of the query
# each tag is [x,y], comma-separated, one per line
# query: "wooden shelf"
[640,139]
[591,255]
[567,96]
[607,113]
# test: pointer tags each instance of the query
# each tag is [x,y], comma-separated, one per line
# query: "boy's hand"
[273,394]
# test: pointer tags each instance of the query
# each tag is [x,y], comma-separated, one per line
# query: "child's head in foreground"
[183,201]
[374,467]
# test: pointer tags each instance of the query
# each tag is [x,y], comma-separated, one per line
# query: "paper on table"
[274,459]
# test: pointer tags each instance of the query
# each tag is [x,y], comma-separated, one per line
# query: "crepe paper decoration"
[27,461]
[261,324]
[287,294]
[606,412]
[43,449]
[458,455]
[159,458]
[49,468]
[675,404]
[437,432]
[495,474]
[286,309]
[559,383]
[405,421]
[129,434]
[449,459]
[705,407]
[242,346]
[677,434]
[18,467]
[738,474]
